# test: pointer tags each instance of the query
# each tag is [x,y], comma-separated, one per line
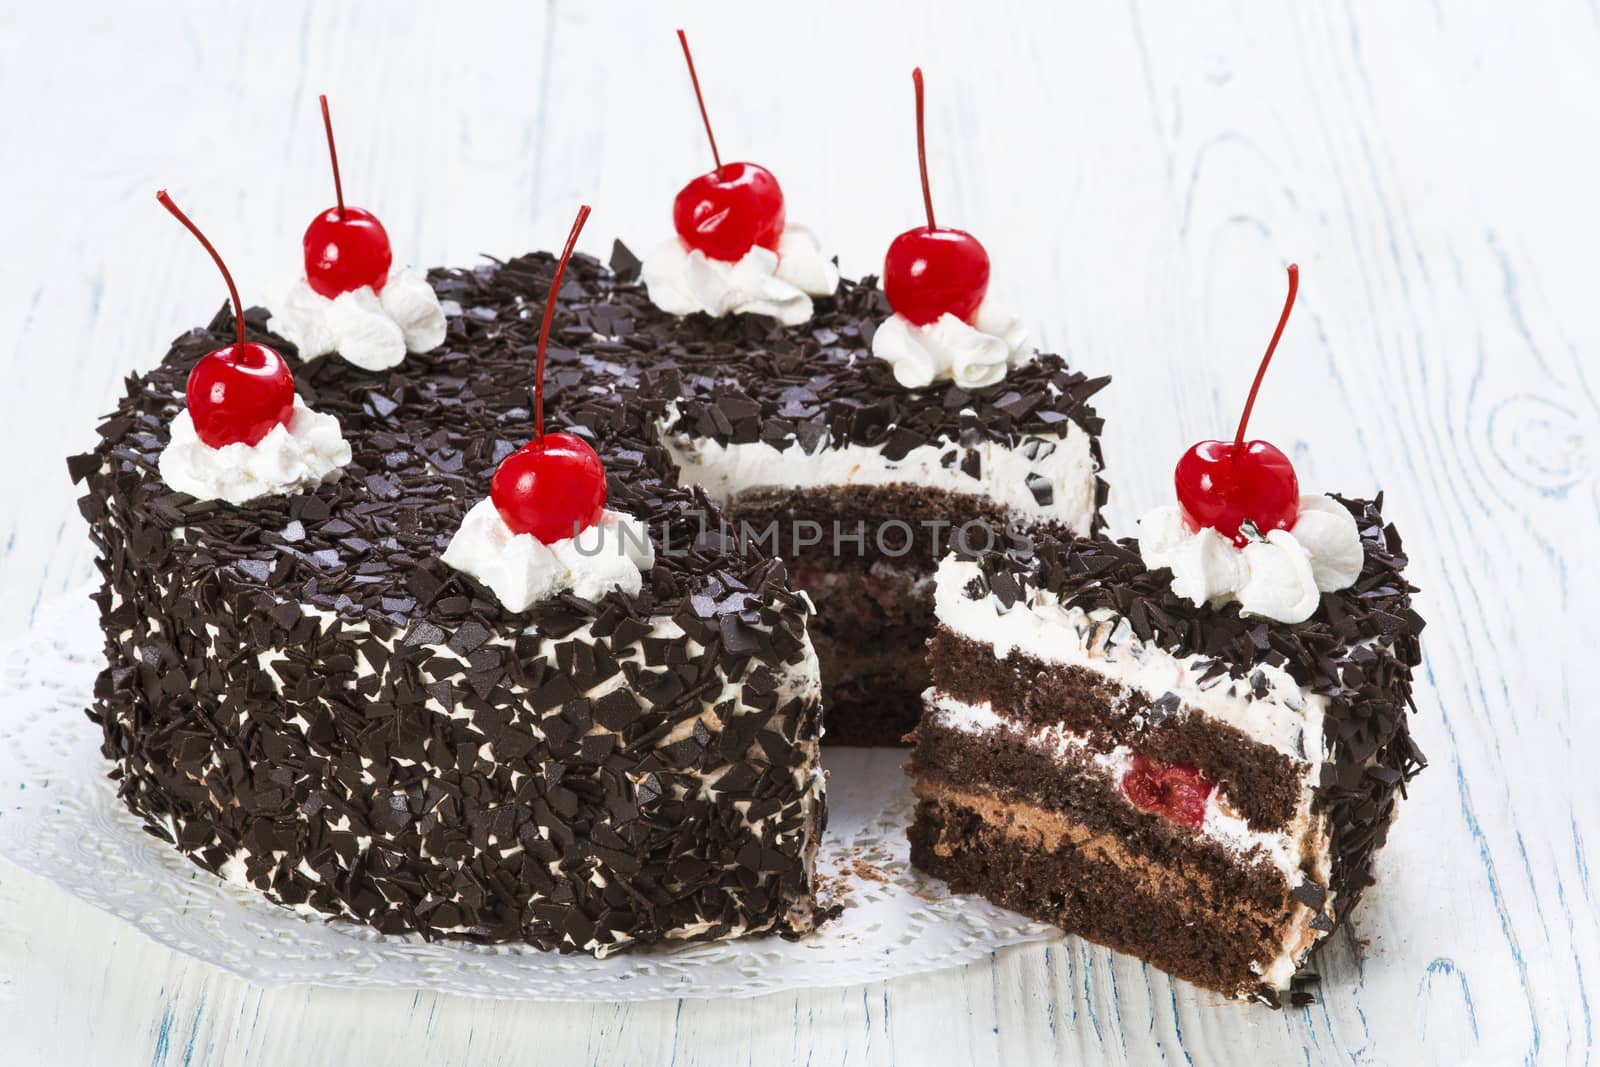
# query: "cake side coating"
[301,696]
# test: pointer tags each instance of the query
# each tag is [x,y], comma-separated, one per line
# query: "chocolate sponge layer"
[1263,783]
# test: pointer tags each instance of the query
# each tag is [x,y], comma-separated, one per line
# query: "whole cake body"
[1180,747]
[301,696]
[1200,787]
[383,649]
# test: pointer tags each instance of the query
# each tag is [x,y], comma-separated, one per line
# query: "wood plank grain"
[1141,173]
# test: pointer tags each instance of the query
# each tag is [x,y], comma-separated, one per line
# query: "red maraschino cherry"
[238,393]
[1175,791]
[346,247]
[727,211]
[931,271]
[1224,484]
[554,486]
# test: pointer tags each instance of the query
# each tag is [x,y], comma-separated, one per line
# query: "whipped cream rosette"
[944,326]
[735,252]
[243,432]
[351,301]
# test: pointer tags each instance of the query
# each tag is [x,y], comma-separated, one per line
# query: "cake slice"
[1199,788]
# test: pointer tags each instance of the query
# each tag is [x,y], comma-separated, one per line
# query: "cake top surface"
[426,436]
[745,378]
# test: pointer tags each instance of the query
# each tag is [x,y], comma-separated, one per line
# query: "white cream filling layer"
[1064,465]
[682,281]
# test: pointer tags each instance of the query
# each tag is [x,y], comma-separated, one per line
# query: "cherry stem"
[922,149]
[549,316]
[233,290]
[333,154]
[695,78]
[1261,371]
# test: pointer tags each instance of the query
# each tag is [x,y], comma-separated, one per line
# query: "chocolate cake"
[1194,784]
[818,454]
[302,697]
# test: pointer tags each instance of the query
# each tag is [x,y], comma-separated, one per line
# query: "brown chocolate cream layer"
[1045,865]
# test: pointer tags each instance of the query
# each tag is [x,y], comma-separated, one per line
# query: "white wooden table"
[1140,173]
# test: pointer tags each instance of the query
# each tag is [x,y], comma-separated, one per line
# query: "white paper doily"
[61,820]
